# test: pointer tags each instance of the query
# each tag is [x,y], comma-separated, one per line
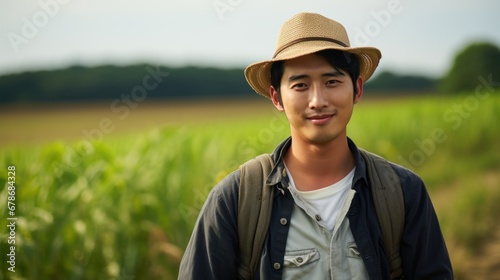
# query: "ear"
[275,97]
[359,93]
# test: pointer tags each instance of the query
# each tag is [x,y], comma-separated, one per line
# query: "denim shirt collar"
[278,172]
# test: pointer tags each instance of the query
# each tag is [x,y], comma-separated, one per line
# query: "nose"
[317,98]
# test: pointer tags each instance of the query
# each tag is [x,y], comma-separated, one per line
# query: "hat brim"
[258,75]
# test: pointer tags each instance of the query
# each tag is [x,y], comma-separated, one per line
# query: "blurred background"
[108,109]
[56,51]
[415,37]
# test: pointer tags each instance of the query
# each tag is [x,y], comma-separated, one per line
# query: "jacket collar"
[279,172]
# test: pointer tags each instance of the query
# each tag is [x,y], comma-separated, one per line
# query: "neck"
[314,166]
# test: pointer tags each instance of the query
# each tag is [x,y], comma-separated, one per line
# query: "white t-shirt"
[327,201]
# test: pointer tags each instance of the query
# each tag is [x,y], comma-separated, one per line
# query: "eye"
[332,82]
[299,86]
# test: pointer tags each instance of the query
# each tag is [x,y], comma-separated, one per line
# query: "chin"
[322,139]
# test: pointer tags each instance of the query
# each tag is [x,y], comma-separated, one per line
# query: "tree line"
[109,82]
[139,81]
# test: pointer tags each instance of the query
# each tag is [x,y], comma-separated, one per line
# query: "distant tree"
[475,60]
[390,83]
[122,84]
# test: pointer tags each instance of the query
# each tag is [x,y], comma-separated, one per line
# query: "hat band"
[300,40]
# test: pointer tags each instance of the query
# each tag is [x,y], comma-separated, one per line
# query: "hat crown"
[310,26]
[304,34]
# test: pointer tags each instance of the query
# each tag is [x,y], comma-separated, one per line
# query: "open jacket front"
[212,252]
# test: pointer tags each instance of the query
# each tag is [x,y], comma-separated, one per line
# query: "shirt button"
[318,217]
[300,260]
[277,266]
[283,221]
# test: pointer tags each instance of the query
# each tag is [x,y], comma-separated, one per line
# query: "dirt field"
[43,123]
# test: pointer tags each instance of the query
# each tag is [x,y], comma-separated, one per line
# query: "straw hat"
[307,33]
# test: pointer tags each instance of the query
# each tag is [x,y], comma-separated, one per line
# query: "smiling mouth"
[320,119]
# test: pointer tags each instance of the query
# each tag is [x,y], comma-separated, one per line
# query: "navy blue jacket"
[212,252]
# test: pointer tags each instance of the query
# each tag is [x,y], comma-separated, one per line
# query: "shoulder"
[212,250]
[220,209]
[406,176]
[414,189]
[376,163]
[226,191]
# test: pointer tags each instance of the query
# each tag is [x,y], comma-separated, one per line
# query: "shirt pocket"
[352,251]
[355,261]
[300,258]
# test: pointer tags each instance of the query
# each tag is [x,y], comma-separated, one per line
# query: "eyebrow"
[303,76]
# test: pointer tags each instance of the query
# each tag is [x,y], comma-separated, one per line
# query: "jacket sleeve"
[423,249]
[213,248]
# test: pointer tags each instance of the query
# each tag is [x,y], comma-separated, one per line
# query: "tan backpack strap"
[254,213]
[389,205]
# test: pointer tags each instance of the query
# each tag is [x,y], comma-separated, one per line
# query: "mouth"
[320,119]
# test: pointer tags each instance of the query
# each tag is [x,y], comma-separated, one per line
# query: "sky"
[415,36]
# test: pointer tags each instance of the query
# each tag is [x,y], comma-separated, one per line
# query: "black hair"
[339,60]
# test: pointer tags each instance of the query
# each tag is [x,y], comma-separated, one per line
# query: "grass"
[125,206]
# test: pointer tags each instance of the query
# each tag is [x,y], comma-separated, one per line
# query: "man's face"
[317,99]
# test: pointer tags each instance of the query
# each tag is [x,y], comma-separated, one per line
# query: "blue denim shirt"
[212,252]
